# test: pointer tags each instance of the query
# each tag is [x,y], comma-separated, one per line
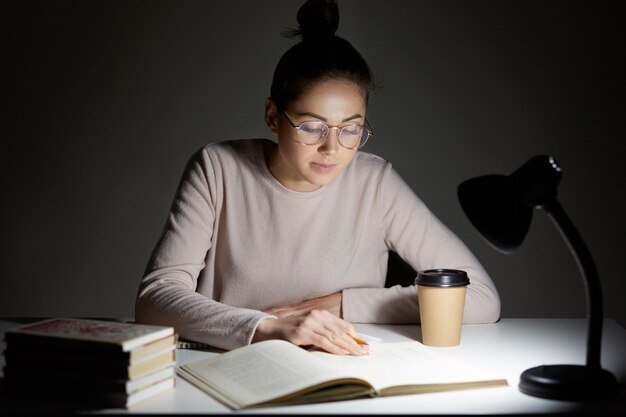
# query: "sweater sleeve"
[424,242]
[167,292]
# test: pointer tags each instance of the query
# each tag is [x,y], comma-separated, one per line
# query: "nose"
[331,144]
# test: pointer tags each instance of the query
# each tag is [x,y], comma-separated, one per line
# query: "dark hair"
[320,56]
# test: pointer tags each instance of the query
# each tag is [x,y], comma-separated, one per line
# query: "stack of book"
[95,363]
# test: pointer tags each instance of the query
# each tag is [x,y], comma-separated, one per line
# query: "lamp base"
[568,382]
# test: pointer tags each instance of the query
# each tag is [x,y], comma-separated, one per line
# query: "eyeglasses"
[314,132]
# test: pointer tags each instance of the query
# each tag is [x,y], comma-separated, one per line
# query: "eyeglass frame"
[361,143]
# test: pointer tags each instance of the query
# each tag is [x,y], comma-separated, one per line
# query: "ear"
[271,115]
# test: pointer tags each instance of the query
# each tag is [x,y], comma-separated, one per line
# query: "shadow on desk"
[33,403]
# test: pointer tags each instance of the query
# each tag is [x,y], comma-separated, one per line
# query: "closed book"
[43,380]
[89,365]
[60,348]
[53,397]
[87,334]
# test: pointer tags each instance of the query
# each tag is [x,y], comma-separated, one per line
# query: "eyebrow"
[317,116]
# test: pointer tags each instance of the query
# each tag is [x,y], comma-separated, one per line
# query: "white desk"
[507,348]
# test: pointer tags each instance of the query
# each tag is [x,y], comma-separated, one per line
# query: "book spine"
[93,366]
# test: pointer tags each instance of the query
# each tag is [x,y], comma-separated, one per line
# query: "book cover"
[96,333]
[62,348]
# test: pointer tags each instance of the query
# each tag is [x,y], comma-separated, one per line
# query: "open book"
[277,372]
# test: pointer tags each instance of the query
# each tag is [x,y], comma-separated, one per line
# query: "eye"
[353,130]
[313,128]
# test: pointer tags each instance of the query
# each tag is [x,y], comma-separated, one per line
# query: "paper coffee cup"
[441,296]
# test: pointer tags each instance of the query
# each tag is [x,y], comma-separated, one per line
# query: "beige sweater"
[237,242]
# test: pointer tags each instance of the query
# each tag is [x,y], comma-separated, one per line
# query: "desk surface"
[506,348]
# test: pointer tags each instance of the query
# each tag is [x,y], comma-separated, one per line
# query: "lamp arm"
[590,276]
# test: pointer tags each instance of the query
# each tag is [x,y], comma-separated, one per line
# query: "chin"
[321,180]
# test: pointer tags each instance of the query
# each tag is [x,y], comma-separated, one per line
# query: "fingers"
[327,331]
[318,328]
[343,344]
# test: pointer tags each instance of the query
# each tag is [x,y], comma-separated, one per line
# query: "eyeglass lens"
[349,136]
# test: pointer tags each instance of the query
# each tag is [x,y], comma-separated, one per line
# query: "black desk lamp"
[501,208]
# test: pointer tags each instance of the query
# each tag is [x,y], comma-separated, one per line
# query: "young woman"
[290,239]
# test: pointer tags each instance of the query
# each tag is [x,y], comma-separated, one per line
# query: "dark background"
[105,101]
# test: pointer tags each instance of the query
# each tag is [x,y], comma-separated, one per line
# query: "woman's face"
[308,167]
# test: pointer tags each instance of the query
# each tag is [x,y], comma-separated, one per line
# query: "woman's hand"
[330,303]
[319,328]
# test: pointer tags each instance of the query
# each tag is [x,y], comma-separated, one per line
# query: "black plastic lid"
[442,278]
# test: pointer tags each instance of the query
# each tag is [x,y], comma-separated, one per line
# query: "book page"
[405,363]
[261,372]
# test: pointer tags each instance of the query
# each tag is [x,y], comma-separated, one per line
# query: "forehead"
[331,96]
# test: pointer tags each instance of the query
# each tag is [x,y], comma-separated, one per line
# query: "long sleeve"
[167,293]
[416,234]
[237,243]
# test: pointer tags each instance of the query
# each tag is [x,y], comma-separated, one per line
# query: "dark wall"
[105,101]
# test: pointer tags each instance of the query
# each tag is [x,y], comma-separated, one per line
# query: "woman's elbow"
[491,313]
[146,310]
[483,310]
[142,311]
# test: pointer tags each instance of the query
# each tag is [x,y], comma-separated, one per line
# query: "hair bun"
[317,19]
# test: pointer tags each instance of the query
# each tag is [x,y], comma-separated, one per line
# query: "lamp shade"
[501,207]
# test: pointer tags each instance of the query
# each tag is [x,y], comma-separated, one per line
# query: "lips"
[323,168]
